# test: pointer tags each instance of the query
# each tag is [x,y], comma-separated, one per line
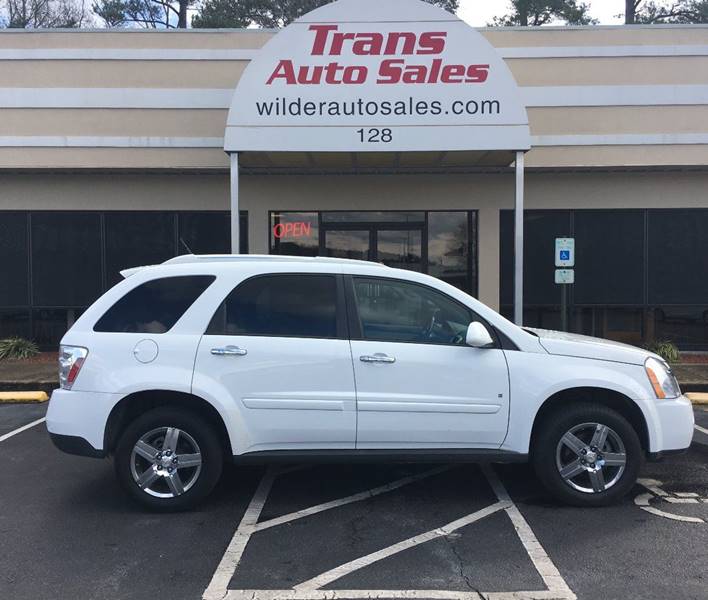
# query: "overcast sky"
[481,12]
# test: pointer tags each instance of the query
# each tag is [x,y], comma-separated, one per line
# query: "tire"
[564,460]
[175,453]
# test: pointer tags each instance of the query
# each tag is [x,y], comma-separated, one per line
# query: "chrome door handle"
[229,351]
[377,358]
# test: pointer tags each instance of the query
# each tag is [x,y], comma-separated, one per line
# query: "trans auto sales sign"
[377,75]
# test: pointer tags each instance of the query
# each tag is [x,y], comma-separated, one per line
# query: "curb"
[697,398]
[11,397]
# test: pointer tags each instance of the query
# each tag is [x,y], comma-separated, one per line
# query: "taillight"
[71,359]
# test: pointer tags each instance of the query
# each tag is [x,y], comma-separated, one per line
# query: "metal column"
[235,220]
[519,241]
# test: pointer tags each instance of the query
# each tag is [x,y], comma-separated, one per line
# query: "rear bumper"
[82,416]
[72,444]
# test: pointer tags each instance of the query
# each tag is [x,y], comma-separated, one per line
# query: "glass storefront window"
[295,233]
[14,323]
[442,243]
[449,247]
[374,216]
[55,263]
[686,326]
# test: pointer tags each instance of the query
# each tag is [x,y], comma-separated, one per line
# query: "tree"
[34,14]
[679,11]
[541,12]
[147,13]
[267,13]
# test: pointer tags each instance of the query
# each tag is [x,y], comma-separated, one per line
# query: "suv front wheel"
[168,459]
[587,454]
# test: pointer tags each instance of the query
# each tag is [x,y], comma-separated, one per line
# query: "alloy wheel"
[166,462]
[591,458]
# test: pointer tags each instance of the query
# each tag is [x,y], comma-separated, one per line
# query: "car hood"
[583,346]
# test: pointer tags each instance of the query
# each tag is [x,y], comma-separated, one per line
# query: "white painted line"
[701,429]
[653,486]
[356,595]
[229,562]
[394,594]
[333,574]
[681,500]
[7,436]
[686,495]
[642,501]
[382,489]
[544,565]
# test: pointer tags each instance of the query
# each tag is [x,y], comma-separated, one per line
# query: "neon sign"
[298,229]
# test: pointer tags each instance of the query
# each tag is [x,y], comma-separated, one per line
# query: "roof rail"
[236,258]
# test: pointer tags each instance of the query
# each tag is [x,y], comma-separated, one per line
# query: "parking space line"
[382,489]
[392,594]
[7,436]
[544,565]
[701,429]
[358,595]
[364,561]
[225,571]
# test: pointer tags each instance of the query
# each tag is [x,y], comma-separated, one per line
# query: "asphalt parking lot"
[345,531]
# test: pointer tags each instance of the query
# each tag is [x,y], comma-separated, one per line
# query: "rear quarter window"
[154,306]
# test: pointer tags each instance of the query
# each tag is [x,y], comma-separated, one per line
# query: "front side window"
[297,305]
[397,311]
[154,306]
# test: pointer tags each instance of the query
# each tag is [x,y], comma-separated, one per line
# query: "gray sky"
[480,12]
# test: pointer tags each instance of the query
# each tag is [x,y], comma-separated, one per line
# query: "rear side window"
[280,306]
[154,306]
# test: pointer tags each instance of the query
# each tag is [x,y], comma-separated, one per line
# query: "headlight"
[662,379]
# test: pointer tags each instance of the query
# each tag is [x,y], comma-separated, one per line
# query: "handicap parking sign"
[565,252]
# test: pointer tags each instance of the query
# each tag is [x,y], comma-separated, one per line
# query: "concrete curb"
[698,398]
[13,397]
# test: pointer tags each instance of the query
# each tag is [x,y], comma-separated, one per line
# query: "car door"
[277,354]
[418,384]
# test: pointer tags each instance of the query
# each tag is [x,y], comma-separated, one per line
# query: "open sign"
[297,229]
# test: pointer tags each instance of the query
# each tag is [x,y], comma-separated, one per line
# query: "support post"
[519,241]
[235,215]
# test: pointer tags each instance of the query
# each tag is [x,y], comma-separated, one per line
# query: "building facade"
[112,156]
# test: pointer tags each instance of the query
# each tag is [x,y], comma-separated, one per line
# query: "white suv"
[206,358]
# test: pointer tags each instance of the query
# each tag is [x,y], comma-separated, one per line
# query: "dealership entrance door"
[442,243]
[398,245]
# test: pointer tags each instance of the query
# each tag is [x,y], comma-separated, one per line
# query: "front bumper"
[674,425]
[77,420]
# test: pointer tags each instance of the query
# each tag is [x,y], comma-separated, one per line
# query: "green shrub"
[667,350]
[17,348]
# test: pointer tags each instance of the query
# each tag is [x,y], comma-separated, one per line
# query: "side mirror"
[478,336]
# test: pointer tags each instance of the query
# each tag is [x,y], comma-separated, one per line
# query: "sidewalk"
[42,376]
[28,376]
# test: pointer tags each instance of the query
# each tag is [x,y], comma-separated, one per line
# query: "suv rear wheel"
[587,454]
[168,459]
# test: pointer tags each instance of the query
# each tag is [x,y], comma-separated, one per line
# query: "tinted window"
[154,306]
[609,249]
[541,228]
[66,258]
[14,263]
[280,305]
[210,233]
[396,311]
[678,246]
[138,238]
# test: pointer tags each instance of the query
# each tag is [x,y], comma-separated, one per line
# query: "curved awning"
[377,76]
